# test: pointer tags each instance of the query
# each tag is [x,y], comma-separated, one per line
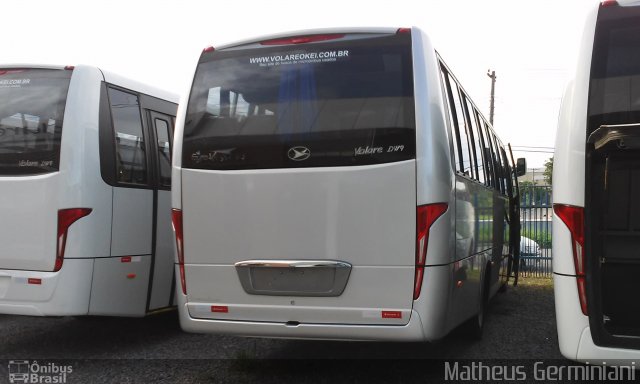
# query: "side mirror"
[521,167]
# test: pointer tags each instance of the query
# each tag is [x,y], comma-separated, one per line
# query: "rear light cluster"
[66,217]
[176,219]
[573,218]
[608,3]
[426,216]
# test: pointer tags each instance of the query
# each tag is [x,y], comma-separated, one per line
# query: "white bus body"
[596,234]
[311,167]
[84,193]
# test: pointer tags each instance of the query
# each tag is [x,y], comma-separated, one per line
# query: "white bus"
[84,193]
[336,184]
[596,232]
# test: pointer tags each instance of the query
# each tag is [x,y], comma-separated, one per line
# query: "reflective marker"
[391,315]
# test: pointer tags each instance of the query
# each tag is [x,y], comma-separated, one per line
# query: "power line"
[531,146]
[532,151]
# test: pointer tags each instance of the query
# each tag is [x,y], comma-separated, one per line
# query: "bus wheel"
[475,325]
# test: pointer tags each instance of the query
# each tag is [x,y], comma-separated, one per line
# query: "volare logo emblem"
[299,153]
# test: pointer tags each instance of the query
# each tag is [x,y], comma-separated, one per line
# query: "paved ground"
[520,325]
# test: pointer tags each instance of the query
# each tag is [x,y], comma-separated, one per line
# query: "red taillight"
[403,30]
[208,49]
[66,217]
[176,219]
[426,216]
[302,39]
[607,3]
[69,68]
[573,218]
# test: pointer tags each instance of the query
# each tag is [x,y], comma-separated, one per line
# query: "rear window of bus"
[32,103]
[614,95]
[341,102]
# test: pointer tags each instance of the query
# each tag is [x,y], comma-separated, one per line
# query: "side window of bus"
[465,148]
[507,172]
[476,124]
[162,129]
[486,150]
[491,154]
[452,118]
[131,159]
[499,166]
[472,133]
[505,168]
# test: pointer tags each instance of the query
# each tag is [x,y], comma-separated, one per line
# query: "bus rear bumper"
[589,352]
[36,293]
[574,333]
[412,331]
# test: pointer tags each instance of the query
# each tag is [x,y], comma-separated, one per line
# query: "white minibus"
[84,193]
[337,184]
[596,182]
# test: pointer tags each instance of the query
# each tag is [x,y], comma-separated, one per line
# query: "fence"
[535,242]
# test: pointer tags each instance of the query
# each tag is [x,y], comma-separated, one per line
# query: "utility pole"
[492,75]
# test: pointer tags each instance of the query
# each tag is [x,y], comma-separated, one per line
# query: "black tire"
[475,326]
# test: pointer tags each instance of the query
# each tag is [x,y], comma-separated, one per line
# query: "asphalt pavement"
[520,327]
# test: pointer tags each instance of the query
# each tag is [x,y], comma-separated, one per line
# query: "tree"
[548,171]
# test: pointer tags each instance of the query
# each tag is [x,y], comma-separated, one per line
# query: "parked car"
[529,247]
[529,252]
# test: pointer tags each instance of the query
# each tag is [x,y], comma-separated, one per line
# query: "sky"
[532,45]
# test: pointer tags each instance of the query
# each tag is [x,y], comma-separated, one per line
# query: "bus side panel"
[121,282]
[474,247]
[119,286]
[165,244]
[132,226]
[81,185]
[434,170]
[569,318]
[569,156]
[176,155]
[570,143]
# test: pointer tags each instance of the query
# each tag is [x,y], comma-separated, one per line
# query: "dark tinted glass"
[614,94]
[32,103]
[131,161]
[477,142]
[336,103]
[164,150]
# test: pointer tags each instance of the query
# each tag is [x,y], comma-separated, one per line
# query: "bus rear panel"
[318,196]
[298,182]
[612,210]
